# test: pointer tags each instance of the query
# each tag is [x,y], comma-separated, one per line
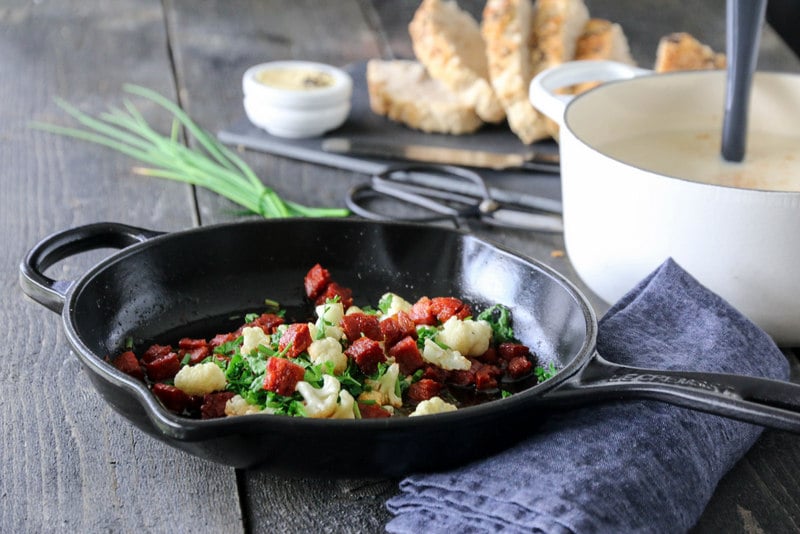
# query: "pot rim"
[567,124]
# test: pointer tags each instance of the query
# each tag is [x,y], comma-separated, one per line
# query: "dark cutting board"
[363,123]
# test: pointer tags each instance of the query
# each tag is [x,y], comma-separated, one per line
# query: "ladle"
[744,20]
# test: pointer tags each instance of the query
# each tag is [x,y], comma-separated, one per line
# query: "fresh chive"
[211,165]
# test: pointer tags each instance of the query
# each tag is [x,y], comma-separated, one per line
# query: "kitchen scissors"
[455,194]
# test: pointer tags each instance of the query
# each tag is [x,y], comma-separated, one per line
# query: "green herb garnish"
[211,165]
[385,302]
[544,373]
[499,317]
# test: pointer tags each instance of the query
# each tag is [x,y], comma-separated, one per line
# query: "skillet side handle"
[52,293]
[769,403]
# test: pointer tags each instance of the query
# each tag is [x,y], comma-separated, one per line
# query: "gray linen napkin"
[627,466]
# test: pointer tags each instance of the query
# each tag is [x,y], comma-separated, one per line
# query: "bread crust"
[403,91]
[506,26]
[601,39]
[681,51]
[557,24]
[448,42]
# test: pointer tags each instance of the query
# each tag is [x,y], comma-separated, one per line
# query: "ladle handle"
[761,401]
[61,245]
[744,19]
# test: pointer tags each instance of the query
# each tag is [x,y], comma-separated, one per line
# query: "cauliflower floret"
[384,390]
[236,405]
[320,403]
[445,358]
[329,315]
[396,304]
[200,379]
[344,410]
[353,309]
[253,337]
[470,338]
[432,406]
[328,350]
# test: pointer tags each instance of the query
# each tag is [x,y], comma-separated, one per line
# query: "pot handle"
[542,91]
[56,247]
[769,403]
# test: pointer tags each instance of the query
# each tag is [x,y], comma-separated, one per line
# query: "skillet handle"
[769,403]
[56,247]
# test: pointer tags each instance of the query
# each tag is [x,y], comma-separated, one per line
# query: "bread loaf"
[601,39]
[506,27]
[448,42]
[402,91]
[681,51]
[557,24]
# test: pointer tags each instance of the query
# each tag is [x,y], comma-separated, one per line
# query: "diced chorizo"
[509,351]
[268,322]
[282,376]
[173,398]
[188,343]
[297,338]
[163,367]
[196,355]
[367,353]
[372,411]
[486,377]
[214,404]
[129,364]
[334,290]
[406,353]
[357,324]
[155,351]
[445,307]
[434,372]
[462,378]
[421,312]
[519,367]
[423,390]
[397,327]
[316,280]
[490,356]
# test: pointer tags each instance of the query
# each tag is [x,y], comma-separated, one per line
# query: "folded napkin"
[623,466]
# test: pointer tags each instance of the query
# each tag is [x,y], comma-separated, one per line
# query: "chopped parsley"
[499,317]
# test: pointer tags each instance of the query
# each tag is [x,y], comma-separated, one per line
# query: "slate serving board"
[363,123]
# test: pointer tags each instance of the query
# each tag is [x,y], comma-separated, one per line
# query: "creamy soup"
[772,162]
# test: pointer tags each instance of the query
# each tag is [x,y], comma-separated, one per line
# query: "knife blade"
[531,160]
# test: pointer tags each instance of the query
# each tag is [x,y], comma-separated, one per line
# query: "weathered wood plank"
[67,462]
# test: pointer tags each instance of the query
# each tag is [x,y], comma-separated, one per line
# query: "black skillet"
[160,286]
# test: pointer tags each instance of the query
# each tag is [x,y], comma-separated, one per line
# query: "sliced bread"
[601,39]
[681,51]
[506,28]
[557,24]
[403,91]
[448,42]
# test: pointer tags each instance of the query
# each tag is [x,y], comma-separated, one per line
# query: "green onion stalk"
[212,165]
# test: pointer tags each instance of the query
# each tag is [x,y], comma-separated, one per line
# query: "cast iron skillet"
[161,286]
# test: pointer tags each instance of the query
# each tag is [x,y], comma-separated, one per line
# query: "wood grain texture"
[67,462]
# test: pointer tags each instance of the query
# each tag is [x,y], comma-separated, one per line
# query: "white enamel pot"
[622,218]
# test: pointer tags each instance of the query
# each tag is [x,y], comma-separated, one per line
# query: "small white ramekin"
[297,113]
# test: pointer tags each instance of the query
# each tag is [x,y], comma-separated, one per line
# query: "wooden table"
[68,463]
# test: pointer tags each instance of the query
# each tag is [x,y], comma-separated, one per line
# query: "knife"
[531,160]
